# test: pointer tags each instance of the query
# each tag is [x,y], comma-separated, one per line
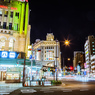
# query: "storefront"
[11,67]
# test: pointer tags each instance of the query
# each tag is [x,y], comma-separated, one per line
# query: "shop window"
[11,45]
[2,44]
[17,14]
[4,25]
[10,26]
[11,15]
[6,14]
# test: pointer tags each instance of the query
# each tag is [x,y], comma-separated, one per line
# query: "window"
[92,42]
[17,14]
[10,26]
[15,26]
[0,13]
[4,25]
[93,49]
[11,45]
[2,44]
[92,45]
[6,14]
[11,15]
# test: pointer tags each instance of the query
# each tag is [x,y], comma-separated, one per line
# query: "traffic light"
[71,68]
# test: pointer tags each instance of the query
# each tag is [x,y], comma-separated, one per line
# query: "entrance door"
[4,76]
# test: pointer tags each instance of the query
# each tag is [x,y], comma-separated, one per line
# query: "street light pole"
[56,61]
[24,70]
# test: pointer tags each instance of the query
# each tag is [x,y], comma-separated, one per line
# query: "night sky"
[66,20]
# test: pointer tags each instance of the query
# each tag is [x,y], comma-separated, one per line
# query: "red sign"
[23,0]
[12,8]
[5,7]
[26,0]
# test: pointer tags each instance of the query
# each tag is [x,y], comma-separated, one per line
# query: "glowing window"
[2,44]
[92,45]
[0,13]
[11,45]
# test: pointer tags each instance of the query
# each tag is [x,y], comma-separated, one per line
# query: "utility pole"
[25,48]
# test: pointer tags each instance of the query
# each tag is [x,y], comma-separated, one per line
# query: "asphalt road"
[68,88]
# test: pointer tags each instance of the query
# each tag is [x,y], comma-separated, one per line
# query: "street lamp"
[67,42]
[55,65]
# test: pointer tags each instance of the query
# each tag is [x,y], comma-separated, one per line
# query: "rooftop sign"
[23,0]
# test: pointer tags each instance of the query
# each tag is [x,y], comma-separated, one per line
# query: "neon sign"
[5,7]
[12,8]
[23,0]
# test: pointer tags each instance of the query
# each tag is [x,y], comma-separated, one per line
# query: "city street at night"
[47,47]
[69,87]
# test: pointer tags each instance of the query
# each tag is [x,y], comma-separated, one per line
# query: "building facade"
[89,52]
[47,50]
[14,38]
[78,59]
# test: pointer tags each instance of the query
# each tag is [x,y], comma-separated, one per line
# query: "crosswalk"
[8,90]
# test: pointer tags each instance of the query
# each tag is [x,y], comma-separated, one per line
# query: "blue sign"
[84,72]
[30,57]
[7,54]
[12,55]
[4,54]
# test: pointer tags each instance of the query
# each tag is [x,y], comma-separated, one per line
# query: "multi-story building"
[89,51]
[78,59]
[93,65]
[14,38]
[47,50]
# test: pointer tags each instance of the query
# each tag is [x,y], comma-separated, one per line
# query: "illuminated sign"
[5,7]
[12,8]
[23,0]
[12,55]
[7,54]
[4,54]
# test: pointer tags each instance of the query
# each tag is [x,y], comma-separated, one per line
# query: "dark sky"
[65,19]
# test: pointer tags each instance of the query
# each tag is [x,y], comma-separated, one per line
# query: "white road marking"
[28,91]
[83,89]
[4,93]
